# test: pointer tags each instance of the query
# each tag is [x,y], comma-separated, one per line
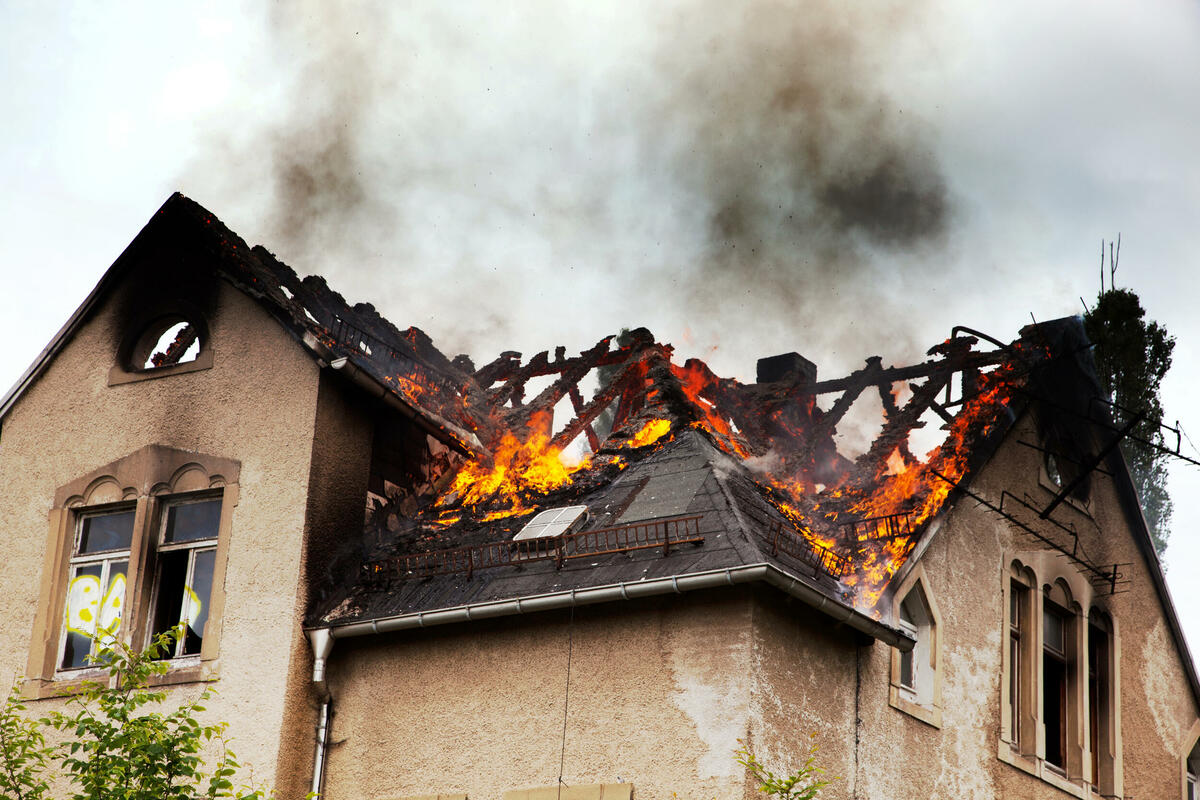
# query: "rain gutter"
[322,638]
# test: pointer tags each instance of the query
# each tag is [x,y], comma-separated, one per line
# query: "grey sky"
[743,182]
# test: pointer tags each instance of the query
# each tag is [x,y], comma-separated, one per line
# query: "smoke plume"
[741,172]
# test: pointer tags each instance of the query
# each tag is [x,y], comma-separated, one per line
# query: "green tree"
[803,784]
[1132,355]
[117,740]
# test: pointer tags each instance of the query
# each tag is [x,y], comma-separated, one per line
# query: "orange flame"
[519,468]
[651,432]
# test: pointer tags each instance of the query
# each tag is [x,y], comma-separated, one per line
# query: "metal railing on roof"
[873,529]
[665,533]
[786,540]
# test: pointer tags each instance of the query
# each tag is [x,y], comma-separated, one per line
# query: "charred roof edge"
[631,590]
[110,276]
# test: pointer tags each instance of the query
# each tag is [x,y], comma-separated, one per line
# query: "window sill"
[70,683]
[1038,768]
[119,375]
[929,714]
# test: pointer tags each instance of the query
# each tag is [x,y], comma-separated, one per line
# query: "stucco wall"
[965,568]
[805,675]
[660,694]
[257,405]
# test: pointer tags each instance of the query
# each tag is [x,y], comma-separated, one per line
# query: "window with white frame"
[95,601]
[186,556]
[178,571]
[915,680]
[137,547]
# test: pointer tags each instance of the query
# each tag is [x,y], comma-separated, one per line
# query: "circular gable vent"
[165,342]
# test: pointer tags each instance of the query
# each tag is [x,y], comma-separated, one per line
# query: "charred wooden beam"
[862,378]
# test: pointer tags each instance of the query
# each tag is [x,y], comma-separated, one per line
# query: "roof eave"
[321,636]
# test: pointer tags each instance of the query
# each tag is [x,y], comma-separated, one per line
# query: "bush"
[803,784]
[117,745]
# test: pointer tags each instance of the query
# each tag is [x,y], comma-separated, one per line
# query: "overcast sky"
[743,179]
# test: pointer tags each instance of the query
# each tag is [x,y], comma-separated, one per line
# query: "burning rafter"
[857,520]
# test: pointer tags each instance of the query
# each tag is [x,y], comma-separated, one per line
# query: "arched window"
[1059,692]
[165,343]
[916,682]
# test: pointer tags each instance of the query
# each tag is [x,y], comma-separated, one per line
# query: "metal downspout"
[322,747]
[322,645]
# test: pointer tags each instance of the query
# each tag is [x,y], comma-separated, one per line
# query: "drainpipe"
[322,746]
[322,645]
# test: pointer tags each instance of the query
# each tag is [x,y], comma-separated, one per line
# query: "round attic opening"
[164,342]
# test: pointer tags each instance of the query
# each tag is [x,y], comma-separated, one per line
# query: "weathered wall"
[805,676]
[257,405]
[660,693]
[966,570]
[341,457]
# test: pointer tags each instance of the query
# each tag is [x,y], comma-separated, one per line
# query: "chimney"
[787,366]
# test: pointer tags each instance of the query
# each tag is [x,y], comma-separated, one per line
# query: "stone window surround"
[900,697]
[1044,572]
[147,478]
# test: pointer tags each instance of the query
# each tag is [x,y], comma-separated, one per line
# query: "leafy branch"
[118,741]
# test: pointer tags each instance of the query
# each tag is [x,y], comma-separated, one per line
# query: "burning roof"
[673,460]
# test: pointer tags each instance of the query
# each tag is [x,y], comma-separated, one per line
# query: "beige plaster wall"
[965,569]
[804,686]
[257,405]
[660,694]
[341,460]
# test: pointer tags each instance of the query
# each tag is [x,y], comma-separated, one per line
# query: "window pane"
[1054,703]
[106,532]
[82,608]
[906,669]
[188,522]
[198,595]
[172,577]
[112,605]
[1052,631]
[1016,600]
[1014,688]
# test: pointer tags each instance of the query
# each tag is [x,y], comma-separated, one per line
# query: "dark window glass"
[1016,597]
[1054,683]
[906,669]
[106,532]
[1052,631]
[1054,673]
[172,577]
[188,522]
[1097,692]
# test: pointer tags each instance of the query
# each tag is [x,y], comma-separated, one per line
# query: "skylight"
[553,522]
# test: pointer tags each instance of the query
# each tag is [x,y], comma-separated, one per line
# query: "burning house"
[586,575]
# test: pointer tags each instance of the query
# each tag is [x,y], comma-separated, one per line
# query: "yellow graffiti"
[88,611]
[192,605]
